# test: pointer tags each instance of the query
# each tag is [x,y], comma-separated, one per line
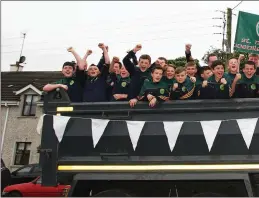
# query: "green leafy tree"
[180,61]
[224,56]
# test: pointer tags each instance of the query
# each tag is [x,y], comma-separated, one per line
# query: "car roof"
[2,163]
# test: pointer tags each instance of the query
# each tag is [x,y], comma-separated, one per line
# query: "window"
[22,153]
[37,169]
[29,107]
[24,170]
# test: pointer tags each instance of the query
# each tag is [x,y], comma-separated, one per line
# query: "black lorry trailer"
[177,154]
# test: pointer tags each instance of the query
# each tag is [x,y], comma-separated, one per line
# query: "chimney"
[16,67]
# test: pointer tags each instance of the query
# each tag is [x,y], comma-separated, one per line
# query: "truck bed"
[76,153]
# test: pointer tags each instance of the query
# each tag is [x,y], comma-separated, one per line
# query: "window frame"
[36,166]
[22,154]
[22,168]
[31,102]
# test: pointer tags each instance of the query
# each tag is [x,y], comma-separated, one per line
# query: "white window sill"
[33,117]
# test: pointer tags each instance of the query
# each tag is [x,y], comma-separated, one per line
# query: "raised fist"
[204,83]
[193,79]
[158,62]
[223,81]
[188,47]
[116,59]
[238,76]
[175,86]
[137,48]
[101,45]
[89,52]
[241,57]
[70,49]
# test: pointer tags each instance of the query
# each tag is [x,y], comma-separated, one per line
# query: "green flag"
[247,33]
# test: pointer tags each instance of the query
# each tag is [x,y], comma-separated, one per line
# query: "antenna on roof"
[24,35]
[22,58]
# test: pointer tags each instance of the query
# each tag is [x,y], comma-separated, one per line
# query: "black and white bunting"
[98,128]
[40,124]
[247,128]
[210,130]
[135,128]
[172,129]
[59,125]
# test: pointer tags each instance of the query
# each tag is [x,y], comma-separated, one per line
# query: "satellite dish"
[22,59]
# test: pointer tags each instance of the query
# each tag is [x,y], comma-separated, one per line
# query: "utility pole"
[229,29]
[229,26]
[223,28]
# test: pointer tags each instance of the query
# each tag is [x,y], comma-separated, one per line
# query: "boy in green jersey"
[154,90]
[120,89]
[184,86]
[72,82]
[218,86]
[246,85]
[169,74]
[138,73]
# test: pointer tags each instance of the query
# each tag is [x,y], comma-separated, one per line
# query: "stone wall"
[19,129]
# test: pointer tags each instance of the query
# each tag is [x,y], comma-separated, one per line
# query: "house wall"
[20,129]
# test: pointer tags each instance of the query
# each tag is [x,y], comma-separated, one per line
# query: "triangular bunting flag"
[135,128]
[172,130]
[98,127]
[40,124]
[247,128]
[210,130]
[59,125]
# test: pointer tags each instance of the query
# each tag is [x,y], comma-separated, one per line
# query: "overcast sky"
[162,28]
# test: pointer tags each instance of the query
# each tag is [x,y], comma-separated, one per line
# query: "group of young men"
[141,80]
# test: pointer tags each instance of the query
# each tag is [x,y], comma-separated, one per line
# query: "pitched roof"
[14,81]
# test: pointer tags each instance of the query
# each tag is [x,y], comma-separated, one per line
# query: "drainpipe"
[5,124]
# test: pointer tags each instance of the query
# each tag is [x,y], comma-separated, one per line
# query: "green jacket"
[184,91]
[215,89]
[121,85]
[247,87]
[169,82]
[75,86]
[158,89]
[230,76]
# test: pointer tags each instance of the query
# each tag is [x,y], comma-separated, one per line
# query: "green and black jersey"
[75,85]
[247,87]
[158,89]
[121,85]
[215,89]
[184,90]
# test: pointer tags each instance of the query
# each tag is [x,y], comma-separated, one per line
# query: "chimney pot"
[14,67]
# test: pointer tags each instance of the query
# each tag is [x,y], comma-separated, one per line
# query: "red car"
[34,189]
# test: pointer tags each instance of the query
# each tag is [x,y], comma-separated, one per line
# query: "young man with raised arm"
[138,74]
[95,86]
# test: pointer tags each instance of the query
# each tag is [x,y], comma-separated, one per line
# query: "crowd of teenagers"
[135,80]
